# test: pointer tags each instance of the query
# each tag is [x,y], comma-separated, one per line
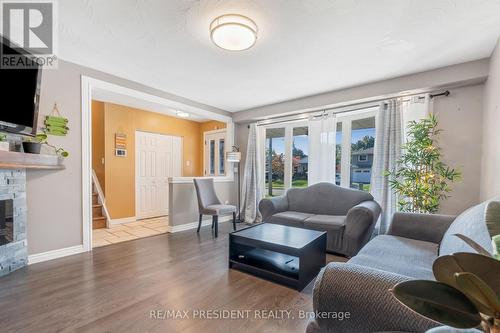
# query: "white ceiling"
[304,47]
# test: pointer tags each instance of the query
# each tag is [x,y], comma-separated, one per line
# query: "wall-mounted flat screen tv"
[19,90]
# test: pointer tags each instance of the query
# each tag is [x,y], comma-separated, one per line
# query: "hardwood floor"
[115,289]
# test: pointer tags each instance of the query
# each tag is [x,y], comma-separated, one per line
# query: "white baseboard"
[122,220]
[194,225]
[54,254]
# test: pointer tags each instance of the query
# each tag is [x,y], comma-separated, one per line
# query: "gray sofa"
[361,286]
[348,216]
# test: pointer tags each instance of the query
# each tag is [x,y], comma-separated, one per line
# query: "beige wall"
[468,73]
[184,206]
[98,161]
[55,197]
[120,171]
[490,175]
[460,117]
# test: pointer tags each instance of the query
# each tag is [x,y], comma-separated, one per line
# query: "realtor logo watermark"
[29,29]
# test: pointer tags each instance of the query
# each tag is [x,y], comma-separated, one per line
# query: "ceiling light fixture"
[182,114]
[233,32]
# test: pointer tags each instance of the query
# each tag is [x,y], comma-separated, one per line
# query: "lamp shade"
[233,156]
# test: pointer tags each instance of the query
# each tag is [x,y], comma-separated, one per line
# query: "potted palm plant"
[421,180]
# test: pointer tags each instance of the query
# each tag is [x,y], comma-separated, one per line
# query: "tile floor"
[128,231]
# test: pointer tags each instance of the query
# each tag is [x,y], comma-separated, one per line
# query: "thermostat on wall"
[121,152]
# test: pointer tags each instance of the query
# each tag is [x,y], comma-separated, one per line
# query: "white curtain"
[321,164]
[415,109]
[391,132]
[252,183]
[387,151]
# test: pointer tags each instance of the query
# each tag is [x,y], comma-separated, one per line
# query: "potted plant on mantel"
[33,145]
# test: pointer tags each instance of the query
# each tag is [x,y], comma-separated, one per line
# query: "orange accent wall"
[98,142]
[120,171]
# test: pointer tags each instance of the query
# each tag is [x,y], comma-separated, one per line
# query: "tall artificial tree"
[421,180]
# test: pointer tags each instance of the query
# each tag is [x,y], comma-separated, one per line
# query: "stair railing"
[100,195]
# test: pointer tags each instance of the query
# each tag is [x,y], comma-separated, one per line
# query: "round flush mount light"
[233,32]
[182,114]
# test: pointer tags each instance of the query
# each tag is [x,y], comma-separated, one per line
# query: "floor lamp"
[235,157]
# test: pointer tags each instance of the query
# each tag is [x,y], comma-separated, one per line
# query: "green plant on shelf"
[42,139]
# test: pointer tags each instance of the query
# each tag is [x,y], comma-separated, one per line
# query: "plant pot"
[32,147]
[4,145]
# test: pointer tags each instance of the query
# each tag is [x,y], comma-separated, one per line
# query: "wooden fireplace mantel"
[17,160]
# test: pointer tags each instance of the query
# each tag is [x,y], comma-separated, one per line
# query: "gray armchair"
[407,252]
[210,204]
[348,216]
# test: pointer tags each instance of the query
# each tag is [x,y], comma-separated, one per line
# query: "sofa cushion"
[404,256]
[325,199]
[325,222]
[334,226]
[473,224]
[290,218]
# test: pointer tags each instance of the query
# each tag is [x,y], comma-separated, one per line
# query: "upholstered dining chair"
[210,204]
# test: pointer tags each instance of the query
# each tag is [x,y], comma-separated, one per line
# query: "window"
[286,153]
[275,161]
[286,157]
[338,153]
[299,156]
[362,142]
[222,157]
[362,158]
[214,153]
[212,157]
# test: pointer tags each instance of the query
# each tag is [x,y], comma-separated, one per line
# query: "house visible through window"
[362,142]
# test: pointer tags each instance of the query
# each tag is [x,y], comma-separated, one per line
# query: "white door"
[214,153]
[158,157]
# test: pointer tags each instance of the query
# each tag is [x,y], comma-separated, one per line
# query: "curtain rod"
[366,105]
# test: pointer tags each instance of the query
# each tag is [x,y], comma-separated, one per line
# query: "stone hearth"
[14,255]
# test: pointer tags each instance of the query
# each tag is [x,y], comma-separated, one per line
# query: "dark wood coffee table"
[286,255]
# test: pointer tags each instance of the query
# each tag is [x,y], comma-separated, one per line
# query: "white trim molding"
[122,220]
[55,254]
[87,163]
[189,180]
[188,226]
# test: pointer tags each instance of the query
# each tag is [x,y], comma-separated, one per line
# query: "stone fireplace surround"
[14,255]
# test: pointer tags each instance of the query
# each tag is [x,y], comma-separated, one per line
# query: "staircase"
[98,219]
[100,214]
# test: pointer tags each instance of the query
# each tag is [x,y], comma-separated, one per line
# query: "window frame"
[345,169]
[345,163]
[288,170]
[216,156]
